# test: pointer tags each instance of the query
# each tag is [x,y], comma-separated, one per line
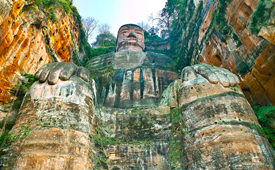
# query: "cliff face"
[224,36]
[29,39]
[243,49]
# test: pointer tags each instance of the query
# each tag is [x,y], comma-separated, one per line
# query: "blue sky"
[118,12]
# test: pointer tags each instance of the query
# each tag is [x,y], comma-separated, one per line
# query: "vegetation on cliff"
[266,117]
[184,29]
[49,6]
[260,16]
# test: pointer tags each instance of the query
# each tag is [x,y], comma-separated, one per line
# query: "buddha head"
[130,37]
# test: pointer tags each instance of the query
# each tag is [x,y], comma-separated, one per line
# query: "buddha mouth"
[132,39]
[129,43]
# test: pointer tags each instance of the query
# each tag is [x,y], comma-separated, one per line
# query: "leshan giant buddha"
[128,100]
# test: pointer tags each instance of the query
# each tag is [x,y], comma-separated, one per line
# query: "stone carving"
[129,100]
[130,38]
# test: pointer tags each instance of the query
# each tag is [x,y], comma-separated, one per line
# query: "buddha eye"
[139,33]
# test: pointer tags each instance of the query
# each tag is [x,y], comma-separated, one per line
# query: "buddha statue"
[128,98]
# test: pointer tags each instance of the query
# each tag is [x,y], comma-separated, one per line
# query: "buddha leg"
[220,128]
[53,128]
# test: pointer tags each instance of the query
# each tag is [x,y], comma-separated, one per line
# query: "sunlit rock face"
[28,40]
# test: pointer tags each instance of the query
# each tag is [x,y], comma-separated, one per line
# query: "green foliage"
[84,46]
[219,16]
[151,36]
[5,140]
[25,86]
[101,141]
[185,29]
[105,40]
[49,6]
[266,117]
[100,51]
[259,16]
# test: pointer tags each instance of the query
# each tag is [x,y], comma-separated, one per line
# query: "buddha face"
[130,38]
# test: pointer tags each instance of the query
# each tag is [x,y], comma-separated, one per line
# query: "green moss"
[5,140]
[175,143]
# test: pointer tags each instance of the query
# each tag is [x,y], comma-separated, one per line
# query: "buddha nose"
[132,35]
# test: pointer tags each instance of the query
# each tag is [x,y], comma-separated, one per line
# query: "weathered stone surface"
[130,38]
[52,131]
[138,156]
[220,129]
[142,137]
[116,121]
[130,78]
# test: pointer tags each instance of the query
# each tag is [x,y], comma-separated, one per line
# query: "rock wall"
[222,37]
[243,49]
[140,137]
[28,40]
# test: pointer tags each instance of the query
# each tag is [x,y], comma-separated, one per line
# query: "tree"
[105,40]
[165,18]
[144,26]
[104,29]
[89,25]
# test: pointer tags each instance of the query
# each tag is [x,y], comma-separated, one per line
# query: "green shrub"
[49,6]
[266,117]
[259,17]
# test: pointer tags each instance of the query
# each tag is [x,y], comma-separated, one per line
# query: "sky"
[118,12]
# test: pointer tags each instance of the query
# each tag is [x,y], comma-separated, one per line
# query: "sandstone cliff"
[237,35]
[31,36]
[29,39]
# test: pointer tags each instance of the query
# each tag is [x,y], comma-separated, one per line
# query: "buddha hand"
[52,72]
[211,73]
